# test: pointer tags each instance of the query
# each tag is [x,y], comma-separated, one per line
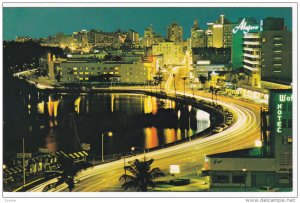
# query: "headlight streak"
[241,134]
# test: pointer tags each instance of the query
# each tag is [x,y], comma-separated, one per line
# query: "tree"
[202,79]
[141,175]
[234,81]
[69,170]
[158,78]
[184,79]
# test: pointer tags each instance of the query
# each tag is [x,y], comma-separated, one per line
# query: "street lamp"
[189,109]
[134,147]
[110,134]
[245,170]
[184,78]
[174,83]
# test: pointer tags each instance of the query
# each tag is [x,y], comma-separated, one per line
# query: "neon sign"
[282,98]
[244,27]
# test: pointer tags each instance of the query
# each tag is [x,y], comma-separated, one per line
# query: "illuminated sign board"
[282,99]
[203,62]
[244,27]
[174,169]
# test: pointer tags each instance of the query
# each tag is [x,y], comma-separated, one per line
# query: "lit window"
[86,73]
[75,68]
[75,73]
[80,78]
[86,78]
[80,73]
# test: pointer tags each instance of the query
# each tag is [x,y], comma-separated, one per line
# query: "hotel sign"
[244,27]
[283,98]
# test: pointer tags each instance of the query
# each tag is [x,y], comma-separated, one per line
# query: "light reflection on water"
[135,120]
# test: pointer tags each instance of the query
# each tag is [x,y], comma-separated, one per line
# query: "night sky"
[42,22]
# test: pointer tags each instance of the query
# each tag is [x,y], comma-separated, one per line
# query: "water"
[65,121]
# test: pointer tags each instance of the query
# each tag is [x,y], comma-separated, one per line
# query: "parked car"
[230,118]
[179,182]
[217,129]
[228,122]
[267,189]
[224,126]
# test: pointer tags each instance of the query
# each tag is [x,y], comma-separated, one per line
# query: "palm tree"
[184,79]
[234,81]
[202,80]
[69,170]
[141,175]
[159,79]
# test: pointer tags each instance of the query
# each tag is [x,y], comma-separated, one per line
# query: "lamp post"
[174,83]
[134,147]
[23,158]
[184,78]
[110,135]
[189,109]
[245,170]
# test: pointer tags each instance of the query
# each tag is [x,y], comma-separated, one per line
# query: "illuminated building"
[270,161]
[172,52]
[174,33]
[133,37]
[197,36]
[150,37]
[209,35]
[276,52]
[237,40]
[252,58]
[214,55]
[23,39]
[95,70]
[219,34]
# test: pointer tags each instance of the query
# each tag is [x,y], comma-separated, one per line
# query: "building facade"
[252,58]
[172,52]
[276,52]
[86,70]
[174,33]
[198,38]
[268,164]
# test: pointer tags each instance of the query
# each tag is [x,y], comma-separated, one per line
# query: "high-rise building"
[174,33]
[276,52]
[172,52]
[133,36]
[273,24]
[227,34]
[150,37]
[237,39]
[219,33]
[197,36]
[209,35]
[252,58]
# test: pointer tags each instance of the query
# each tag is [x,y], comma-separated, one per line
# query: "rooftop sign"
[244,27]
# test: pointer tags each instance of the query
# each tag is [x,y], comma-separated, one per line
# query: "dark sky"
[42,22]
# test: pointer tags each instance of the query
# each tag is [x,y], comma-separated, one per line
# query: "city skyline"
[54,20]
[150,99]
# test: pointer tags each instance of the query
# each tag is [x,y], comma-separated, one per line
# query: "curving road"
[241,134]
